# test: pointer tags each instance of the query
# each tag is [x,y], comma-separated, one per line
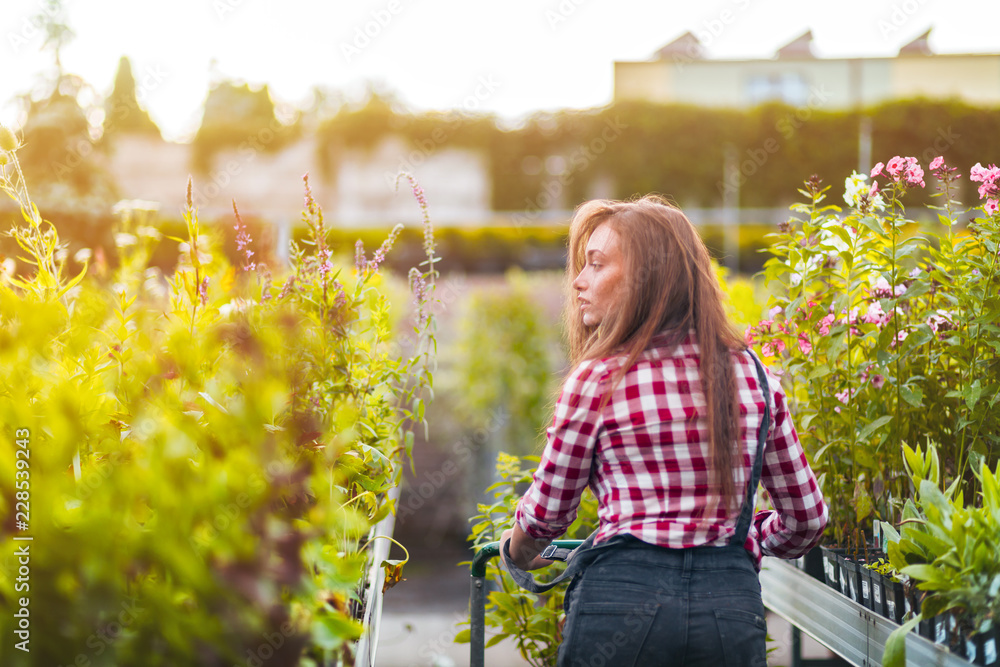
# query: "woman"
[660,417]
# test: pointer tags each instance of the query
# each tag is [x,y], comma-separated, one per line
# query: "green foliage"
[206,455]
[948,547]
[507,355]
[886,333]
[674,149]
[531,620]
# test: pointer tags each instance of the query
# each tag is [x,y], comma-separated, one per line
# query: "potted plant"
[884,332]
[950,549]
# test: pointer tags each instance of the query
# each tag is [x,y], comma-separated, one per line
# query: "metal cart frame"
[477,598]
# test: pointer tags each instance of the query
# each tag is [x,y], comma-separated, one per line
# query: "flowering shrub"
[886,334]
[208,451]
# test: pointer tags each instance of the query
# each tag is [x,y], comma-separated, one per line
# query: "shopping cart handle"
[492,549]
[477,598]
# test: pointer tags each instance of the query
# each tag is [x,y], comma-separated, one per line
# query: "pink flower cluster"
[902,170]
[883,290]
[940,322]
[243,240]
[772,332]
[990,189]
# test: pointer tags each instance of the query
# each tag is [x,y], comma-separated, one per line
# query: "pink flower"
[773,348]
[804,345]
[877,170]
[878,381]
[748,336]
[243,240]
[873,190]
[844,396]
[203,291]
[875,314]
[936,163]
[988,176]
[895,166]
[774,312]
[992,206]
[882,289]
[914,174]
[906,170]
[900,337]
[824,325]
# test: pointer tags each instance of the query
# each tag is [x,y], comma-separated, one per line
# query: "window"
[788,87]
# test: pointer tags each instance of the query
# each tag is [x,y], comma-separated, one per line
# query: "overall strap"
[739,538]
[576,560]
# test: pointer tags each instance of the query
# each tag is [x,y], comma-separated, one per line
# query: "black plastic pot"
[812,563]
[865,585]
[985,645]
[831,568]
[895,600]
[941,629]
[849,578]
[878,592]
[913,598]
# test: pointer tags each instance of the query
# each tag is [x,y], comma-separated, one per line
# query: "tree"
[240,118]
[122,113]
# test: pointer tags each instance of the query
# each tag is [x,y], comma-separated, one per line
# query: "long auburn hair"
[669,288]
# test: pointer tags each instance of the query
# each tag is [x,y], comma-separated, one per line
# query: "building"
[680,72]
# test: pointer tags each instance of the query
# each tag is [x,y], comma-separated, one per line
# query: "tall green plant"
[886,335]
[206,459]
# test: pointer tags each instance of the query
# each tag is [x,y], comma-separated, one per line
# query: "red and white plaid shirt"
[645,456]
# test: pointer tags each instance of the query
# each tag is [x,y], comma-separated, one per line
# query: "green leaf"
[873,426]
[463,636]
[895,645]
[862,501]
[972,393]
[913,396]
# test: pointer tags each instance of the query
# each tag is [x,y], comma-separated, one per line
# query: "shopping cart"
[477,598]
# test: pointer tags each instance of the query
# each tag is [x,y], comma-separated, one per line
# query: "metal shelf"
[845,627]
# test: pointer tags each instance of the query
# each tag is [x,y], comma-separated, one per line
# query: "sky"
[509,58]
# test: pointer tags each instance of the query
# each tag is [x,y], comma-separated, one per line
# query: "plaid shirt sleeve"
[799,516]
[549,506]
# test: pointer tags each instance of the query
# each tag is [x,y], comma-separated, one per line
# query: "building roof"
[800,47]
[918,47]
[687,46]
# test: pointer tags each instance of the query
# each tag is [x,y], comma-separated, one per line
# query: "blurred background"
[508,116]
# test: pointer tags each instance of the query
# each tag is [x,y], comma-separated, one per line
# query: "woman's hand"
[523,549]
